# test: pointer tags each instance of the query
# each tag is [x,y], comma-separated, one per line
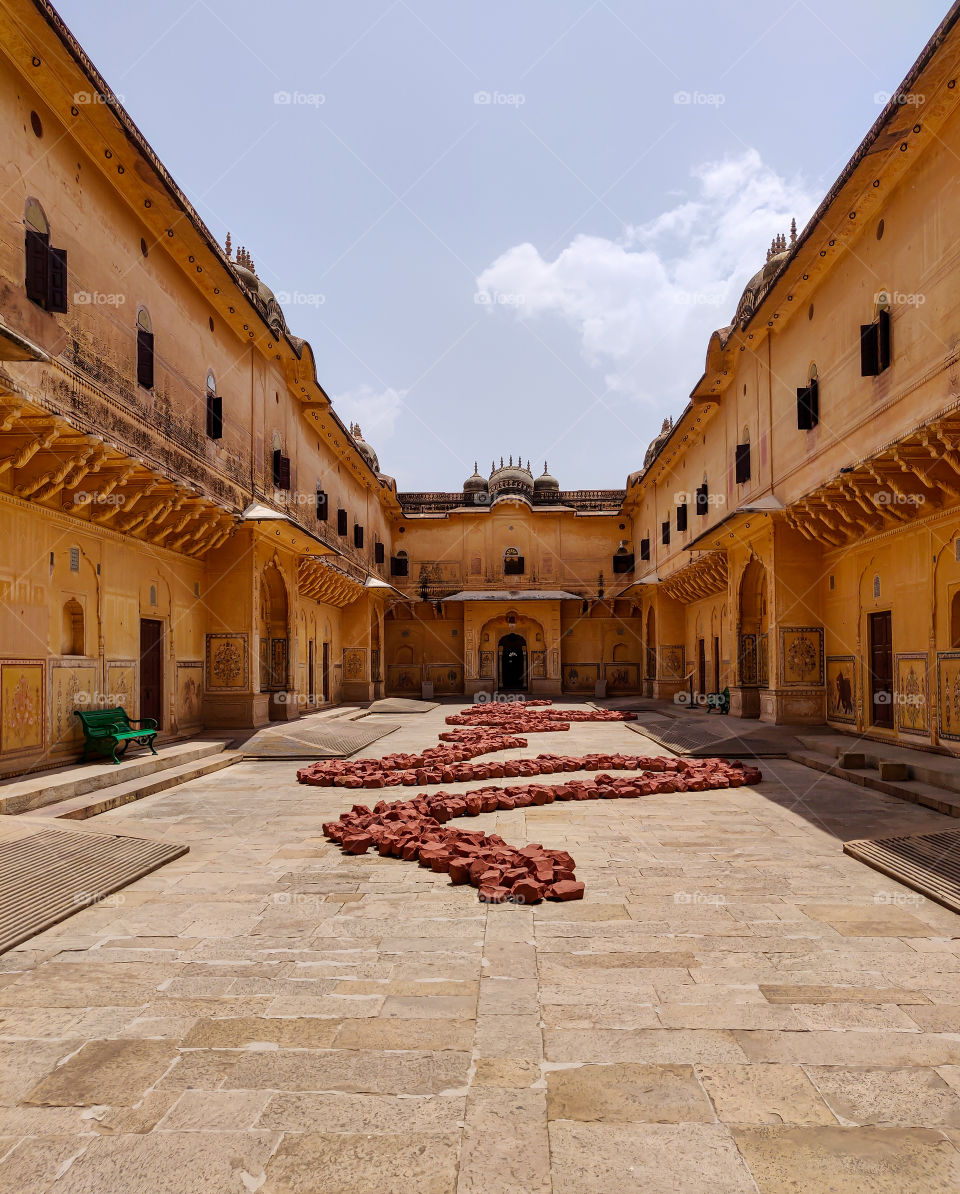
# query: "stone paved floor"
[735,1006]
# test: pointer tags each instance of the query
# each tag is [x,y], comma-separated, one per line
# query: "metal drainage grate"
[927,862]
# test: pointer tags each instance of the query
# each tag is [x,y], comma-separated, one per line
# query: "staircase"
[85,789]
[914,775]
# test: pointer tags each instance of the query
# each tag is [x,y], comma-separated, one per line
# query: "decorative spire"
[511,462]
[793,233]
[528,465]
[545,469]
[229,245]
[476,470]
[501,462]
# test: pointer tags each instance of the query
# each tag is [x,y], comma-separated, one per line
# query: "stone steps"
[80,808]
[916,791]
[33,793]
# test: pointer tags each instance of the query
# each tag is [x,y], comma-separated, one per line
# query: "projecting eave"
[513,595]
[15,347]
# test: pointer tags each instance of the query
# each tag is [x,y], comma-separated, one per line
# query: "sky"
[505,228]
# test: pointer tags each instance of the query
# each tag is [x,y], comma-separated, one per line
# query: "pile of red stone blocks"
[414,829]
[528,717]
[391,770]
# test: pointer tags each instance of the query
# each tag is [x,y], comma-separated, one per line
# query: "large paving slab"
[736,1005]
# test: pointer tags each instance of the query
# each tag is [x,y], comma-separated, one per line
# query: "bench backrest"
[102,719]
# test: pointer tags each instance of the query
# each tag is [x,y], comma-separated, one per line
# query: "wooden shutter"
[284,481]
[37,267]
[623,562]
[214,416]
[883,341]
[644,549]
[665,531]
[869,350]
[399,566]
[357,535]
[682,517]
[743,463]
[145,359]
[703,499]
[341,522]
[323,506]
[379,553]
[57,280]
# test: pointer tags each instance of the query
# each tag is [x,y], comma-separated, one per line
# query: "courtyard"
[735,1005]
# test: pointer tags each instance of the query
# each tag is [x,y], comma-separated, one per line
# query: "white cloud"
[644,305]
[375,410]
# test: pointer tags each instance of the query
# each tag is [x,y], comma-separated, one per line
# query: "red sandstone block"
[494,895]
[358,843]
[526,891]
[459,870]
[566,889]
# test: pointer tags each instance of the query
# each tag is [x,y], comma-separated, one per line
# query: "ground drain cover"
[48,874]
[927,862]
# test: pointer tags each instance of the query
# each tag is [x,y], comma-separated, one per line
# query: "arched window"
[73,641]
[45,273]
[955,620]
[512,562]
[144,349]
[214,409]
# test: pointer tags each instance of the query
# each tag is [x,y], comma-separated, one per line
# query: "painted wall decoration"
[486,664]
[749,660]
[580,677]
[403,679]
[21,705]
[672,661]
[189,692]
[354,663]
[446,677]
[538,664]
[228,662]
[554,662]
[801,655]
[72,686]
[622,677]
[842,688]
[911,693]
[122,686]
[948,694]
[278,663]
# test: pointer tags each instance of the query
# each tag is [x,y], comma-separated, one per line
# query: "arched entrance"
[512,662]
[753,625]
[273,631]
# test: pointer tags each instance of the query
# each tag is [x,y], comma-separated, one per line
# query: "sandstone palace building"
[190,530]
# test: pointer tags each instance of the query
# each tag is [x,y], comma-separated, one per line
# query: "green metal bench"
[719,701]
[106,731]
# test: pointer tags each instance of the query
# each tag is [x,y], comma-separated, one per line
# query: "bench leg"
[152,747]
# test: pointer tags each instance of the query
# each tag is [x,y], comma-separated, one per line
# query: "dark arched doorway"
[513,662]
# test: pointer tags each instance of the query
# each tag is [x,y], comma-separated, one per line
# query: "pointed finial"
[545,469]
[528,465]
[501,462]
[793,232]
[229,244]
[475,469]
[511,462]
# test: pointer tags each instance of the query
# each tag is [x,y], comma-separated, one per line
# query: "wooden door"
[716,663]
[311,674]
[701,665]
[151,670]
[881,669]
[325,671]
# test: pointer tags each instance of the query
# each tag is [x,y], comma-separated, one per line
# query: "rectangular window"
[214,416]
[665,532]
[808,406]
[45,277]
[379,553]
[341,522]
[644,549]
[357,535]
[513,566]
[682,517]
[323,505]
[281,470]
[743,463]
[875,345]
[703,500]
[399,566]
[144,359]
[623,562]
